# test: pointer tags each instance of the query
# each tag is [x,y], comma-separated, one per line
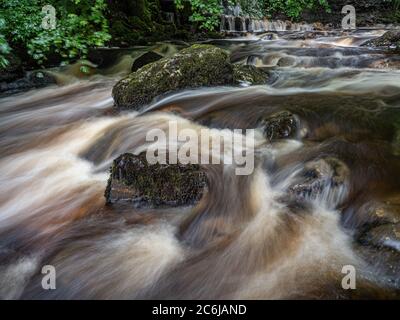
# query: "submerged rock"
[34,79]
[145,59]
[379,238]
[386,211]
[280,125]
[390,40]
[321,175]
[383,236]
[248,74]
[391,62]
[193,67]
[134,180]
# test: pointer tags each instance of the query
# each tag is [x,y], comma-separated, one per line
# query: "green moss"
[390,40]
[197,66]
[155,184]
[249,74]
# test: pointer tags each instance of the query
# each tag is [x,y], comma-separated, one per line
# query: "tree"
[80,25]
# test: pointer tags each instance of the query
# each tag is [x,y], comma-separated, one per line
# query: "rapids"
[243,240]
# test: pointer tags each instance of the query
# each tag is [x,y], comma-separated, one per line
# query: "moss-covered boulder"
[196,66]
[390,41]
[135,181]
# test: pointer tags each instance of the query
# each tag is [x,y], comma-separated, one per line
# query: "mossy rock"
[281,125]
[248,74]
[135,181]
[197,66]
[390,40]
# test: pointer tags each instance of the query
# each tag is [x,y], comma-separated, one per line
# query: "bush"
[79,26]
[294,8]
[4,47]
[207,13]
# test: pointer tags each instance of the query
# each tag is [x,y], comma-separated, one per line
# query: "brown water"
[242,240]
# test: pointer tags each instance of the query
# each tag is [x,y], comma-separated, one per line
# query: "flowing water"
[245,238]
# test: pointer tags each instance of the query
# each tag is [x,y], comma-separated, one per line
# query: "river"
[244,239]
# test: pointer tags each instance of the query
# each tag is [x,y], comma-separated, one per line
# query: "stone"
[280,125]
[390,41]
[197,66]
[33,79]
[386,235]
[325,174]
[135,181]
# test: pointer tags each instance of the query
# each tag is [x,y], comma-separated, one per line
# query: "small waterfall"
[231,23]
[227,23]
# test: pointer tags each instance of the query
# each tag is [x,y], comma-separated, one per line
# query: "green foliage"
[4,47]
[207,13]
[253,8]
[79,26]
[294,8]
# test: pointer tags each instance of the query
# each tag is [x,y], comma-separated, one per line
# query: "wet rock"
[145,59]
[390,41]
[318,26]
[383,236]
[268,36]
[387,261]
[321,175]
[34,79]
[281,125]
[386,211]
[193,67]
[41,79]
[378,240]
[133,180]
[250,75]
[387,63]
[286,62]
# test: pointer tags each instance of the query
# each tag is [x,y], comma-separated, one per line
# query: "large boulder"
[196,66]
[135,181]
[390,41]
